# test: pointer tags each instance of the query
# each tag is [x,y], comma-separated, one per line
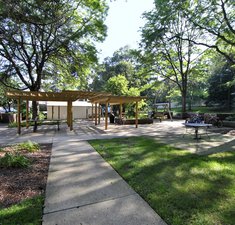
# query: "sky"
[123,22]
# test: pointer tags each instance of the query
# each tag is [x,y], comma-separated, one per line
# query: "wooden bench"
[36,122]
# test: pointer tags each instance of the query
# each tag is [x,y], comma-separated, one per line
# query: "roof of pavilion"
[93,97]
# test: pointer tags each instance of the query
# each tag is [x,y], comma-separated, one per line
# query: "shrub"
[14,160]
[28,146]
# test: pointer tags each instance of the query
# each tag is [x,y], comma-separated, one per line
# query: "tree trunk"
[35,87]
[34,109]
[183,93]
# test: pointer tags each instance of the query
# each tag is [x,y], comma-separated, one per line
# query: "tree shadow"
[181,187]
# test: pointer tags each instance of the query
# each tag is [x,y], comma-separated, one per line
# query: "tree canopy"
[169,51]
[36,35]
[215,20]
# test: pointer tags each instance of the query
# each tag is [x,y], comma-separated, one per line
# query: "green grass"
[181,187]
[28,212]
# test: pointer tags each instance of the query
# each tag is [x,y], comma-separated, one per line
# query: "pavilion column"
[99,108]
[96,114]
[92,112]
[58,112]
[68,114]
[18,116]
[136,114]
[120,111]
[27,114]
[106,115]
[52,113]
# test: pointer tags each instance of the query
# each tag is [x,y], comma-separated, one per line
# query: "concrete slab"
[78,175]
[128,210]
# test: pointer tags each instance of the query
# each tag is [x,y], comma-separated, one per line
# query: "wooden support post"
[52,113]
[120,111]
[99,113]
[106,115]
[136,114]
[58,112]
[18,116]
[96,114]
[27,114]
[68,114]
[92,112]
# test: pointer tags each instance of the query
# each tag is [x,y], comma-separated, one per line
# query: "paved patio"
[166,132]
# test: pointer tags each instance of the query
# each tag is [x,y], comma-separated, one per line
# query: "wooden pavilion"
[96,98]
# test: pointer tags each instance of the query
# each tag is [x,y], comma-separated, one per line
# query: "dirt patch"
[18,184]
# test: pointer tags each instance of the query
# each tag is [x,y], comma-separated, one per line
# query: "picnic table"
[197,126]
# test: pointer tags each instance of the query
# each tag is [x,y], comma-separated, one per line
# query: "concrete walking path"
[83,189]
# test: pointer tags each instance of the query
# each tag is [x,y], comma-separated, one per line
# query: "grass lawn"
[181,187]
[28,212]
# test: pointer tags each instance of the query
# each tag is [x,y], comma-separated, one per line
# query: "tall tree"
[35,32]
[125,61]
[215,19]
[221,83]
[167,44]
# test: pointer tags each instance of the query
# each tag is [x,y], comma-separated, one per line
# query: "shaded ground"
[223,130]
[18,184]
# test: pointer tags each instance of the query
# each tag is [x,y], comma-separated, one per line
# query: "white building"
[58,110]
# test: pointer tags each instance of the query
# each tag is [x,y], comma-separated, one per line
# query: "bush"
[28,146]
[14,160]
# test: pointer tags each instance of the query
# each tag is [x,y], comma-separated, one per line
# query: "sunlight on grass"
[26,212]
[181,187]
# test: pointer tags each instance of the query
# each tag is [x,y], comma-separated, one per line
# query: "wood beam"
[18,116]
[52,113]
[99,114]
[58,112]
[68,114]
[92,112]
[106,115]
[27,114]
[120,111]
[71,115]
[96,114]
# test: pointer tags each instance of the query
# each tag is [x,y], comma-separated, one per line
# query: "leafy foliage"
[167,44]
[124,62]
[14,160]
[117,85]
[215,20]
[37,35]
[28,146]
[221,84]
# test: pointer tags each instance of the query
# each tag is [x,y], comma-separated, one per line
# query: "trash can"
[111,118]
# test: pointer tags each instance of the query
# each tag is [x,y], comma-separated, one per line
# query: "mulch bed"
[17,184]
